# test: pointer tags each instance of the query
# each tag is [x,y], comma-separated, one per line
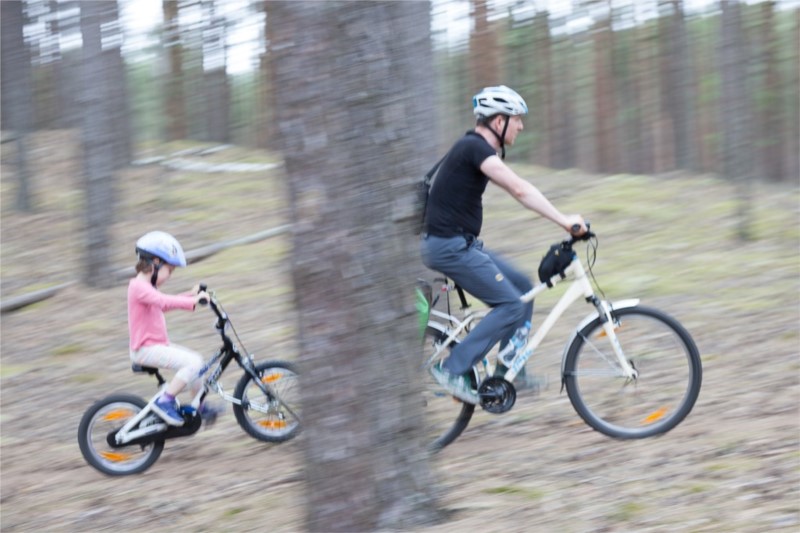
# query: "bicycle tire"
[103,418]
[264,418]
[436,401]
[667,387]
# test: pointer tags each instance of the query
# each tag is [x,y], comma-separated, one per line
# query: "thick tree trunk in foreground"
[354,115]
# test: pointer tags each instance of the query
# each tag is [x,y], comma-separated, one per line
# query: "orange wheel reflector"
[272,378]
[272,424]
[655,416]
[118,414]
[116,457]
[602,332]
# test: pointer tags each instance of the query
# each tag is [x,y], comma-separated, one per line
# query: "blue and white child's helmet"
[499,100]
[162,245]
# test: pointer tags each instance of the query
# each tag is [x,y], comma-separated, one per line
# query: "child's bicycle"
[630,371]
[121,435]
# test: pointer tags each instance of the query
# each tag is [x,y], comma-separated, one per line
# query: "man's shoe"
[168,411]
[458,386]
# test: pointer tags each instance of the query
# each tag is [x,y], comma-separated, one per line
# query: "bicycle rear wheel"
[446,417]
[269,417]
[96,432]
[666,359]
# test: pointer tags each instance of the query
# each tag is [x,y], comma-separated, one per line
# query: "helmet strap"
[502,138]
[154,277]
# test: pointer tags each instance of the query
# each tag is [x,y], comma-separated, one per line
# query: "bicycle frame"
[580,287]
[126,434]
[222,359]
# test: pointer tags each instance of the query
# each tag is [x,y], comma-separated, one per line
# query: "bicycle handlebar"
[585,237]
[212,303]
[203,288]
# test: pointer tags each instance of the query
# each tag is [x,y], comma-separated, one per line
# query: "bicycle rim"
[103,420]
[270,418]
[445,417]
[666,359]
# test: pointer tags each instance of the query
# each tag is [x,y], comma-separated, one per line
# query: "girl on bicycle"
[158,254]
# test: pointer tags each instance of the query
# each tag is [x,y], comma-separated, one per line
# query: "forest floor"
[732,466]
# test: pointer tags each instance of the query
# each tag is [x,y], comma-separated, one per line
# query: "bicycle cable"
[233,329]
[591,258]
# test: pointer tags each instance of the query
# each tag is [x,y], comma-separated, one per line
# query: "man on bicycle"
[453,220]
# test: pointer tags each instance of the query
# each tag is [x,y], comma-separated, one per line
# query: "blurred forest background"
[678,116]
[645,86]
[613,86]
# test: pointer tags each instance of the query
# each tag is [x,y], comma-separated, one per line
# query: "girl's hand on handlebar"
[575,225]
[201,298]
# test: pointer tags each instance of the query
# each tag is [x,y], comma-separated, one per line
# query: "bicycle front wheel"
[658,399]
[446,417]
[271,416]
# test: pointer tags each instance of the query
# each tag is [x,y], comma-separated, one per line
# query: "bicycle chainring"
[497,395]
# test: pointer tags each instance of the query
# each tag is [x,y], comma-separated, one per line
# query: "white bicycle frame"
[125,434]
[580,287]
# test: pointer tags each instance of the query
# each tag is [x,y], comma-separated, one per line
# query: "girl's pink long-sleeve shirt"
[146,306]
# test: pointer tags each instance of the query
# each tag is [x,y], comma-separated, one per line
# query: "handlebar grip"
[203,288]
[586,236]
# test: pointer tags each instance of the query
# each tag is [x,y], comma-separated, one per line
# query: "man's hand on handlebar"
[575,225]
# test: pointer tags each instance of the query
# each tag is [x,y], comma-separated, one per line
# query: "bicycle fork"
[610,325]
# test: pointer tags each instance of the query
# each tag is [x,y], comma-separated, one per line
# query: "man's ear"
[498,122]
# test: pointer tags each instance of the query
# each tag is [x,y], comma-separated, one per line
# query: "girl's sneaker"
[168,410]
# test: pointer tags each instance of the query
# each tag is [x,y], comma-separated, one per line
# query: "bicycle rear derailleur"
[497,395]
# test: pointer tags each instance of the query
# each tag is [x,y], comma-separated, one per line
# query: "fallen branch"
[18,302]
[193,256]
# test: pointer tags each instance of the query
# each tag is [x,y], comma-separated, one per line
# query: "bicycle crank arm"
[117,438]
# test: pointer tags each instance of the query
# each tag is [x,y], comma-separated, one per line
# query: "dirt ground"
[732,466]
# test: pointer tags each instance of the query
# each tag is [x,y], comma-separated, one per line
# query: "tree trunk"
[265,129]
[605,105]
[792,103]
[736,114]
[99,142]
[353,134]
[676,73]
[707,130]
[562,145]
[483,48]
[545,110]
[174,112]
[215,77]
[17,107]
[770,116]
[116,103]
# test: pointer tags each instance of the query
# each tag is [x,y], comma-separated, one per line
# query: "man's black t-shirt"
[454,202]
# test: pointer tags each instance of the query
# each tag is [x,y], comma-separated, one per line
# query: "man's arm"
[527,194]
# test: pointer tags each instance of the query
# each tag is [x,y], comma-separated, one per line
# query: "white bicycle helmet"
[498,100]
[162,245]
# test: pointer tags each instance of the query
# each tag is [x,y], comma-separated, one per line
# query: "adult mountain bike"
[122,435]
[630,371]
